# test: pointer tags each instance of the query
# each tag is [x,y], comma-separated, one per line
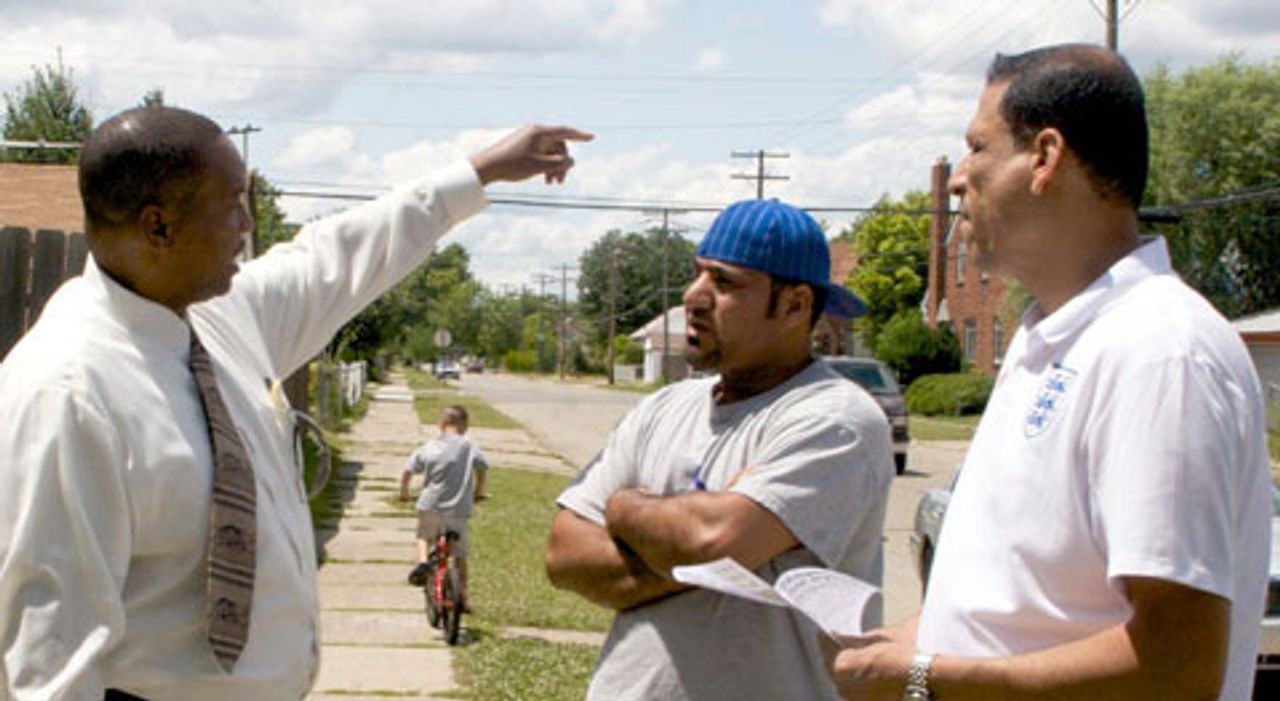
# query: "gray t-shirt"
[449,462]
[818,456]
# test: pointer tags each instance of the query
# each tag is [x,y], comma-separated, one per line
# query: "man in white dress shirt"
[105,457]
[1108,535]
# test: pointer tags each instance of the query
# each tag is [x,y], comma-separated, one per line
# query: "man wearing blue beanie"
[777,462]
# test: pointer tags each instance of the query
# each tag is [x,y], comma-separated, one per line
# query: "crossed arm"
[1174,646]
[627,561]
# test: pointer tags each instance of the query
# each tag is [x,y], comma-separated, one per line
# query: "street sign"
[443,338]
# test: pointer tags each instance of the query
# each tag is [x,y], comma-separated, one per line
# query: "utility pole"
[666,240]
[542,279]
[251,237]
[1113,26]
[613,307]
[564,315]
[760,175]
[244,133]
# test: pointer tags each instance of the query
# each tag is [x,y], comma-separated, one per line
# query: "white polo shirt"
[1125,437]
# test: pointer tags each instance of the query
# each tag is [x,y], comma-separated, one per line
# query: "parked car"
[932,508]
[476,365]
[447,370]
[1269,643]
[928,524]
[875,377]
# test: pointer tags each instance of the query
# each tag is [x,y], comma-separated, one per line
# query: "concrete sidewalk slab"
[382,672]
[390,628]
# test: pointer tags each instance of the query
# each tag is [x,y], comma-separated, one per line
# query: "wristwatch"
[918,679]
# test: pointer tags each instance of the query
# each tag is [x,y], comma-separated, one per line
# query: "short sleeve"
[478,460]
[817,473]
[416,464]
[1165,456]
[611,470]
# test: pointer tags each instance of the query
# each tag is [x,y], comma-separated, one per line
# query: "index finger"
[566,133]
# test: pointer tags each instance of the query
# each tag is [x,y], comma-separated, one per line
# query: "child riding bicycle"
[454,473]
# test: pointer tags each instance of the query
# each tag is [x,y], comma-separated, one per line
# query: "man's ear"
[154,227]
[1048,151]
[795,304]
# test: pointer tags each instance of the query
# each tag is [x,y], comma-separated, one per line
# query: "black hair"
[148,155]
[1090,95]
[777,283]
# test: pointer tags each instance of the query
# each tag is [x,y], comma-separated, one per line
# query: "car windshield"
[873,378]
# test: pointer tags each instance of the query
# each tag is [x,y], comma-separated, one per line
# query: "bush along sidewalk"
[954,394]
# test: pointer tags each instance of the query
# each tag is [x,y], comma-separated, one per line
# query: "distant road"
[571,419]
[574,420]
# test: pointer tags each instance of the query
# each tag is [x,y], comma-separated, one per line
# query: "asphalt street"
[574,419]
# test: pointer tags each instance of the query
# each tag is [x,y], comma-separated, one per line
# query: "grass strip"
[943,428]
[432,395]
[508,539]
[522,669]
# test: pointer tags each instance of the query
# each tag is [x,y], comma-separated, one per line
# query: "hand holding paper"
[833,600]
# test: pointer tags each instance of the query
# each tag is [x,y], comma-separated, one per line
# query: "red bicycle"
[443,588]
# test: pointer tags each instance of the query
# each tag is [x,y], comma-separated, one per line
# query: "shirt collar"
[1150,258]
[155,322]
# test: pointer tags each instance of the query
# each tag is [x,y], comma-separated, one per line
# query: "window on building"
[962,255]
[997,340]
[970,339]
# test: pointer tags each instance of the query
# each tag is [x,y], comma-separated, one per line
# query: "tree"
[46,108]
[892,244]
[269,219]
[1215,133]
[640,263]
[400,315]
[909,346]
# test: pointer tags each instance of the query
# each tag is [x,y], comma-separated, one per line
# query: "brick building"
[957,293]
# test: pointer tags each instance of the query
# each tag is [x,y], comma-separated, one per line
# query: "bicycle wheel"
[451,611]
[432,606]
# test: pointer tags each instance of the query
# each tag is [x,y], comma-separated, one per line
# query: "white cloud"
[710,59]
[329,148]
[924,34]
[294,56]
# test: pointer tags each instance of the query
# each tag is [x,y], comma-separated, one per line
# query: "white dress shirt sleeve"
[303,291]
[68,547]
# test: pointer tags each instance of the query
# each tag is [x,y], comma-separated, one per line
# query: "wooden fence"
[32,265]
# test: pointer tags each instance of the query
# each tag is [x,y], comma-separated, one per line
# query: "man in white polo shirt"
[1108,536]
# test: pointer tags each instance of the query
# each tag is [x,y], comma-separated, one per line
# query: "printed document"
[833,600]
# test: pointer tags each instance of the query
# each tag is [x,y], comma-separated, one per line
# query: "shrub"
[953,394]
[520,361]
[910,347]
[627,351]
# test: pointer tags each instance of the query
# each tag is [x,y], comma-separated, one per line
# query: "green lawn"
[430,396]
[523,669]
[509,588]
[509,537]
[943,428]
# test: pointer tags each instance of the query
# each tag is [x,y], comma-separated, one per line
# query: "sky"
[862,96]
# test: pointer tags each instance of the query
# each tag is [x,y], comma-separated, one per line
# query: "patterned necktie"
[232,531]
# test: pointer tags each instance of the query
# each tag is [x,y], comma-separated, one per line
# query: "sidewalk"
[375,641]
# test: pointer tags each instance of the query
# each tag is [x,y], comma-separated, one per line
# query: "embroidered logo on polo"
[1049,400]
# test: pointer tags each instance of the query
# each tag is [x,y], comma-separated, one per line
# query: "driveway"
[574,420]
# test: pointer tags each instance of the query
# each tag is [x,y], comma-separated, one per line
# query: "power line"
[621,206]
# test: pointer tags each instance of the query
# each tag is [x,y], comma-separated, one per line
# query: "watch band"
[918,678]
